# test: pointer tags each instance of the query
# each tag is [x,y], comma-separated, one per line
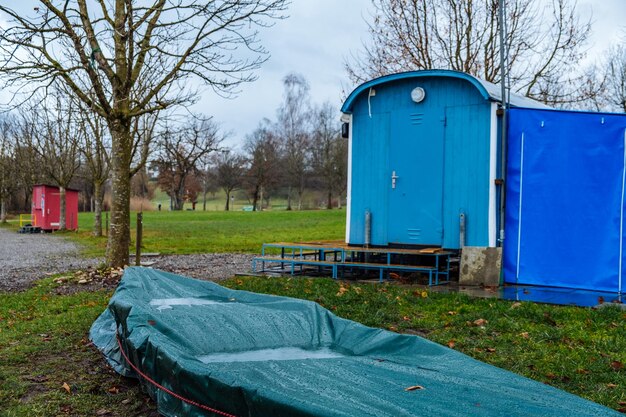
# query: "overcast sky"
[315,40]
[320,34]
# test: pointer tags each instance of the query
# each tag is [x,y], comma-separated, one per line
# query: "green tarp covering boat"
[201,347]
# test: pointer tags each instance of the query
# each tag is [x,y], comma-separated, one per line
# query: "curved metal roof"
[488,90]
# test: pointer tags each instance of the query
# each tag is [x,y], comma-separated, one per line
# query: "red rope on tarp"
[161,387]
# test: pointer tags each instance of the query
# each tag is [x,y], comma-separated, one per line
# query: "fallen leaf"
[451,344]
[583,371]
[342,291]
[414,388]
[516,304]
[126,401]
[424,294]
[617,365]
[622,403]
[406,318]
[525,335]
[66,387]
[357,290]
[480,322]
[451,313]
[102,412]
[114,390]
[393,328]
[612,386]
[490,350]
[550,375]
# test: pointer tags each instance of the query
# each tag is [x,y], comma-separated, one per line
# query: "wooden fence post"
[138,239]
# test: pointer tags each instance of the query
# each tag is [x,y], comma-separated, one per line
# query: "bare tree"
[329,152]
[230,173]
[7,182]
[615,79]
[543,39]
[264,162]
[124,59]
[208,180]
[180,151]
[56,139]
[95,149]
[293,130]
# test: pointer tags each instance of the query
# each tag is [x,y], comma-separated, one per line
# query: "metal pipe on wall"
[461,230]
[368,228]
[501,13]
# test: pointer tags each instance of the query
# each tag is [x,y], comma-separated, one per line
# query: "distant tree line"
[301,151]
[54,139]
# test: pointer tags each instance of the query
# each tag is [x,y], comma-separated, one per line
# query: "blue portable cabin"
[424,149]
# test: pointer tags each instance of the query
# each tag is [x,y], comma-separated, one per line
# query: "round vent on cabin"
[418,94]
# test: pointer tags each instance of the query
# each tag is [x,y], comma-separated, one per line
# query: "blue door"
[415,177]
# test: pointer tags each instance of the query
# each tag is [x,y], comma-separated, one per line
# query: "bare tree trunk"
[339,201]
[62,203]
[97,200]
[289,198]
[255,199]
[329,202]
[300,194]
[119,228]
[227,201]
[179,199]
[204,200]
[261,199]
[3,210]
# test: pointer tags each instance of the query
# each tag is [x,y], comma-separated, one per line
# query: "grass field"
[184,232]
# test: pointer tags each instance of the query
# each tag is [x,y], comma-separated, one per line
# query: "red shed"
[47,207]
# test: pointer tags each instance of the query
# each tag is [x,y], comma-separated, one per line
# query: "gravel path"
[27,258]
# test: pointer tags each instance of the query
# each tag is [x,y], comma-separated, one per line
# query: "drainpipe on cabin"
[503,128]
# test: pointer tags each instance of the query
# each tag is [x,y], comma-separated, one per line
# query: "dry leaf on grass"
[66,387]
[342,291]
[451,344]
[480,322]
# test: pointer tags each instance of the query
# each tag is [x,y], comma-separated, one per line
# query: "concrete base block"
[480,266]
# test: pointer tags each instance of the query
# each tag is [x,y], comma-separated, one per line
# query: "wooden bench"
[293,262]
[337,266]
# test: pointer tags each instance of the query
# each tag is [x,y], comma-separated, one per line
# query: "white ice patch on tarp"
[278,354]
[167,303]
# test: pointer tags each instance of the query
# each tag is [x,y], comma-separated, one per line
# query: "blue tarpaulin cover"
[251,354]
[565,199]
